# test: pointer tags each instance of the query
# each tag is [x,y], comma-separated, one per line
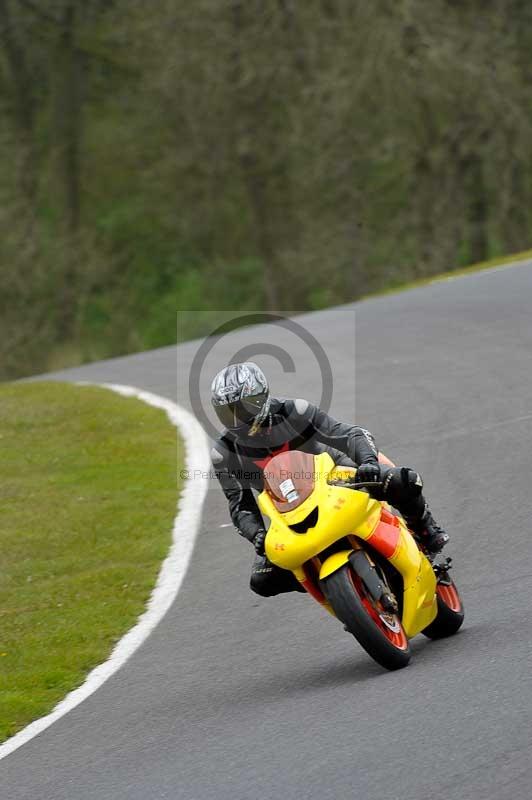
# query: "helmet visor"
[242,413]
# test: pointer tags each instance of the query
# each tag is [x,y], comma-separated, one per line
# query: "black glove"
[368,473]
[258,542]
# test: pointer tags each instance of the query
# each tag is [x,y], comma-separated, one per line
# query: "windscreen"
[289,479]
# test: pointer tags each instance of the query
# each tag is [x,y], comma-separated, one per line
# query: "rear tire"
[362,617]
[450,612]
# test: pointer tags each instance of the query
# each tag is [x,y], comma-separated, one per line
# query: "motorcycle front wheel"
[379,632]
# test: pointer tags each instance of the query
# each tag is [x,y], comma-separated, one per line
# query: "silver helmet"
[240,397]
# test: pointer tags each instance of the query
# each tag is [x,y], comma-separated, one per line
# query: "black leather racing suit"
[295,425]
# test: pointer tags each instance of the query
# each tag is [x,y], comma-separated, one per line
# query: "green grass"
[88,491]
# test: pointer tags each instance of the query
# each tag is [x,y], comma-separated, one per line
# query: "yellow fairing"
[419,599]
[334,562]
[341,511]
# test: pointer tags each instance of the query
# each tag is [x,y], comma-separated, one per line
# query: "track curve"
[236,697]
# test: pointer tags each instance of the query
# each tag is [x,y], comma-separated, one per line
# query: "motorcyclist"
[258,426]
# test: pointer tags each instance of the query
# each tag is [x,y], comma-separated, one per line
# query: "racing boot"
[402,488]
[428,532]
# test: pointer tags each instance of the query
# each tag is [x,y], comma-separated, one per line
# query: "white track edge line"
[173,569]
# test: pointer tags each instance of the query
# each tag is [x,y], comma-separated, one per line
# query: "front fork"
[367,572]
[362,564]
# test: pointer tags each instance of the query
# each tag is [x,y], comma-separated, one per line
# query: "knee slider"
[260,583]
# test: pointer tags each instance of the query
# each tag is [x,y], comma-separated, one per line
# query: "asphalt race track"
[237,697]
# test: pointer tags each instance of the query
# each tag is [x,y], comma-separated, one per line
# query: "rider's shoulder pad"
[217,457]
[301,406]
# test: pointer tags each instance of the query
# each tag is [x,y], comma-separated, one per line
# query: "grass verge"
[87,499]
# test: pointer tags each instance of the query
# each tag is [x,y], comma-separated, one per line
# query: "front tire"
[450,612]
[379,632]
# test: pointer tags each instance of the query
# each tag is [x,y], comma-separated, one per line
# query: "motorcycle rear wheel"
[450,612]
[380,633]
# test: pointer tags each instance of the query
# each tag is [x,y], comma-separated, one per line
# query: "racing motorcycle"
[355,556]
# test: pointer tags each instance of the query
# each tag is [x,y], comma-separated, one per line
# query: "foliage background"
[223,154]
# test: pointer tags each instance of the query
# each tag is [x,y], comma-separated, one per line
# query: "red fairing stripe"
[385,539]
